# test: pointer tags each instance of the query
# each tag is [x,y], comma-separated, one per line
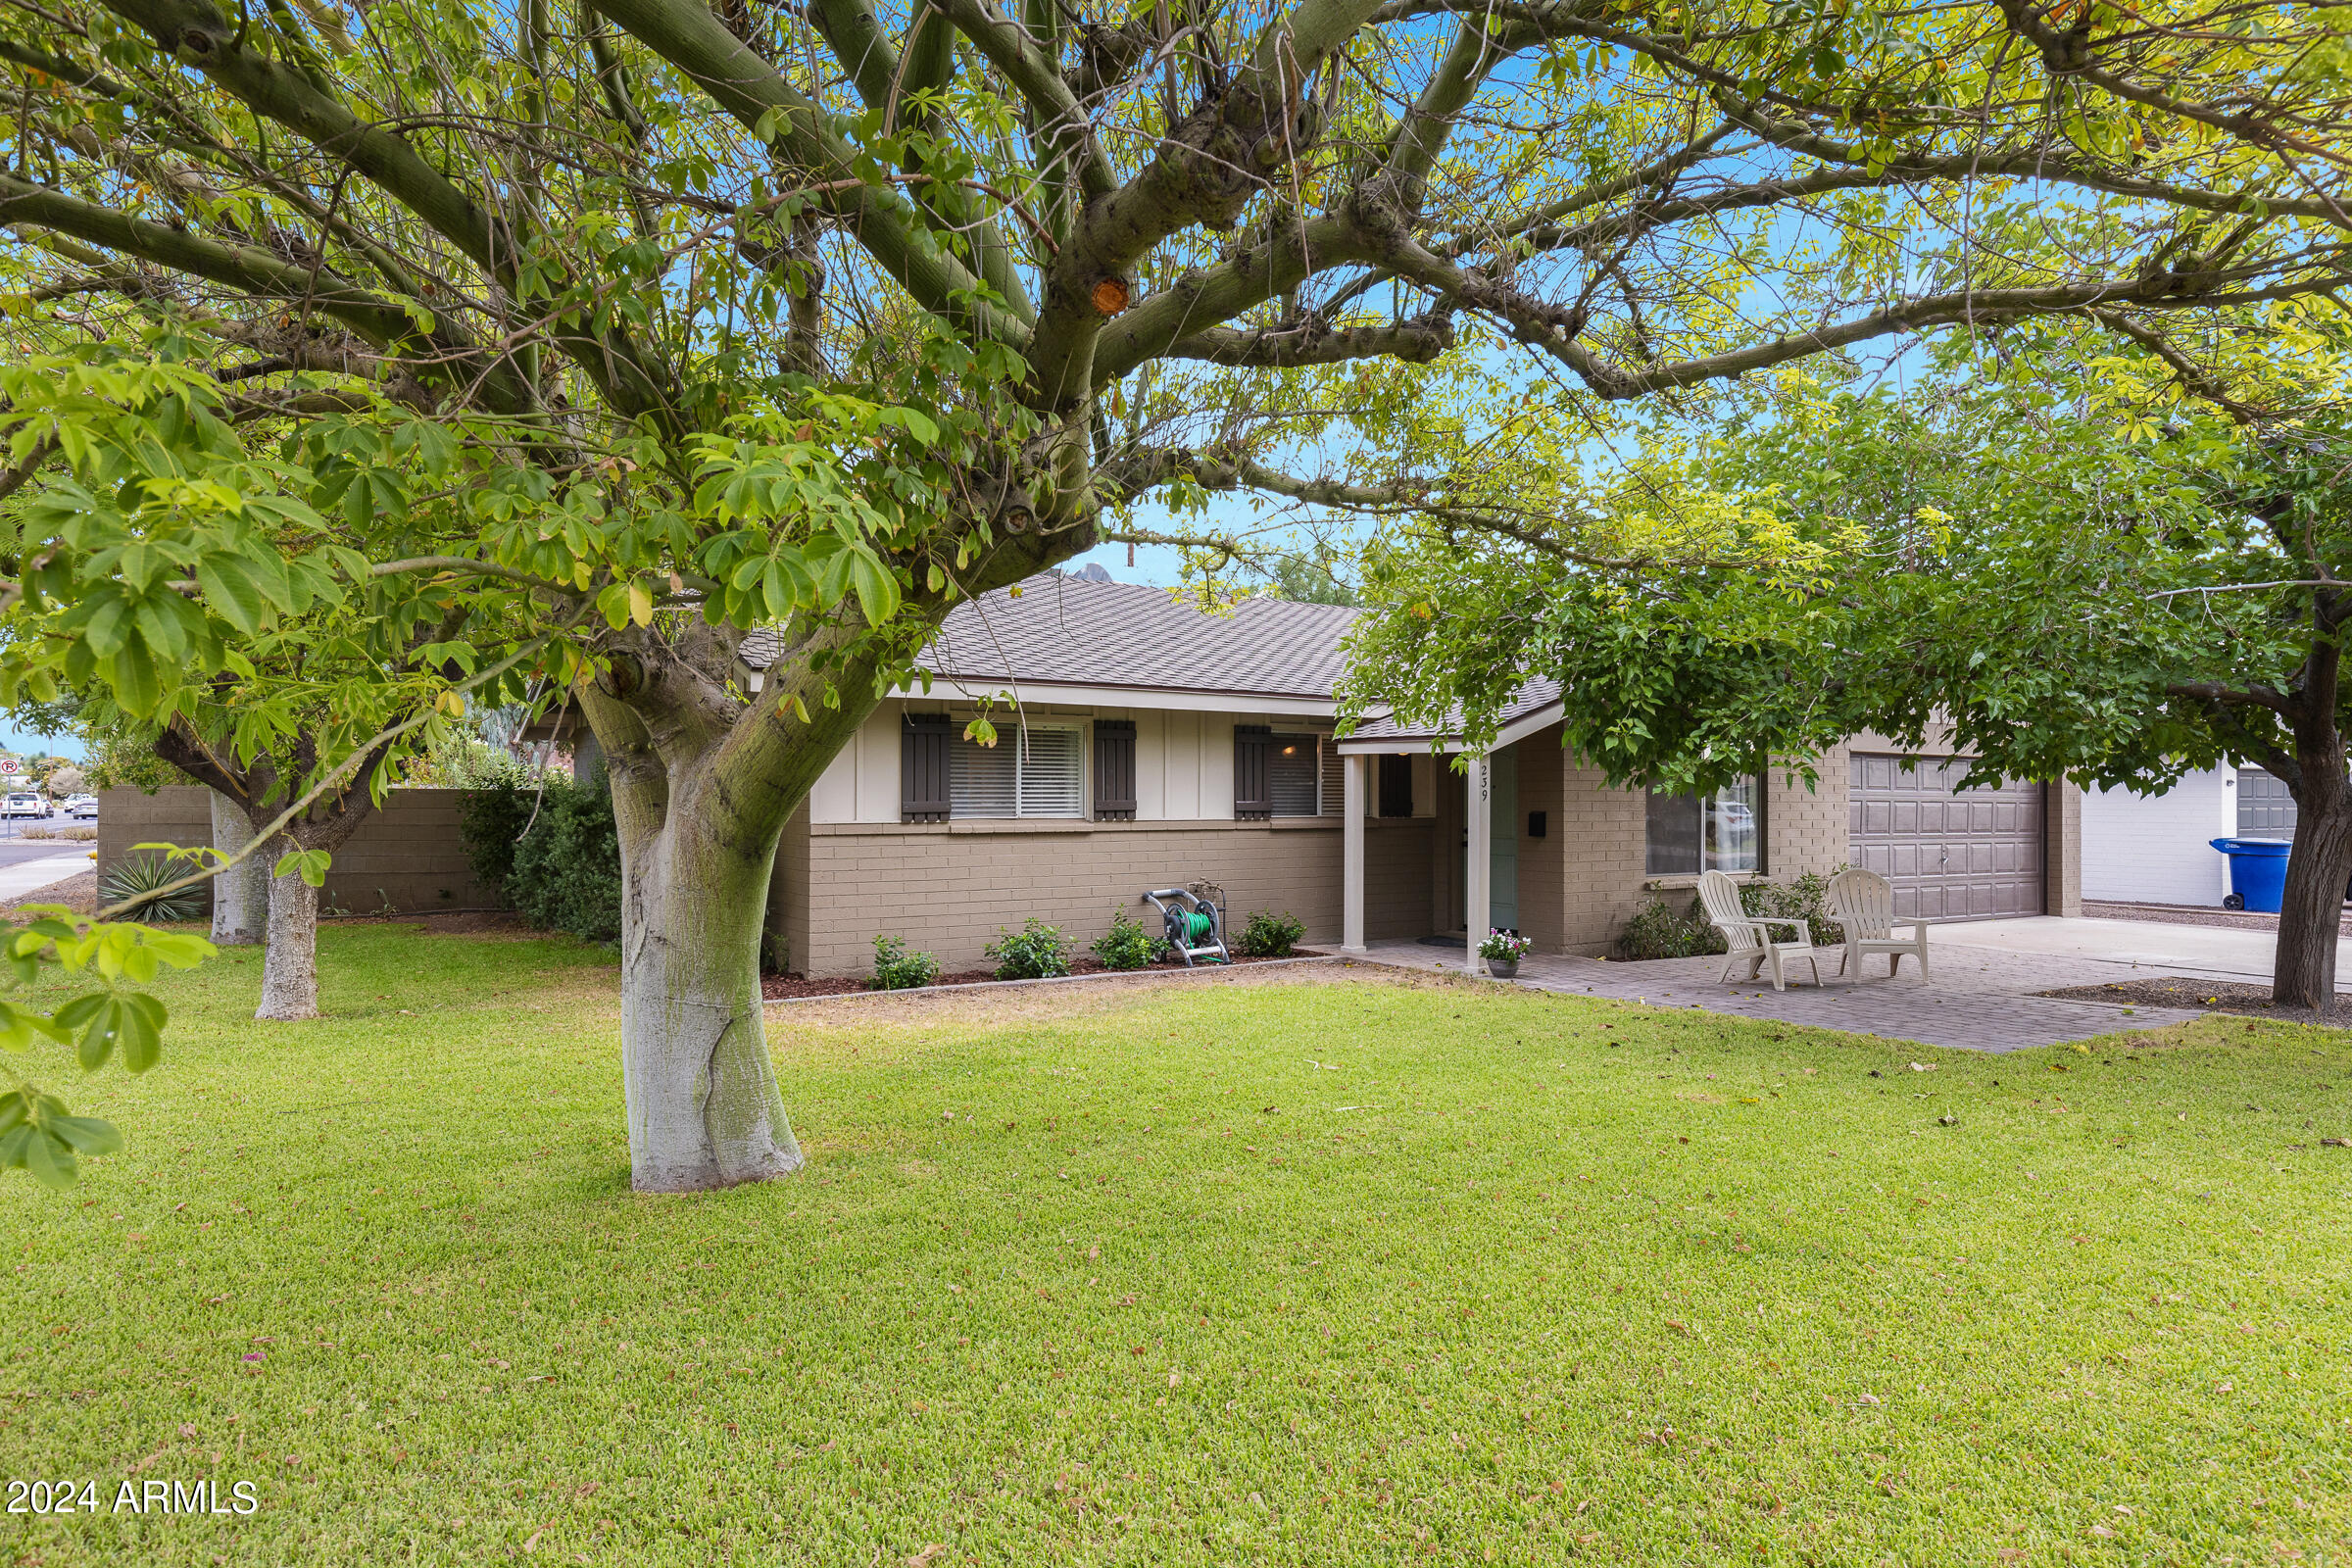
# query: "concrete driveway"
[2215,952]
[1982,998]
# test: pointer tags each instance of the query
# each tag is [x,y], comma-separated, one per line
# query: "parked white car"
[24,803]
[81,806]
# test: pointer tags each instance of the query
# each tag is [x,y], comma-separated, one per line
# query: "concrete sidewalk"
[29,876]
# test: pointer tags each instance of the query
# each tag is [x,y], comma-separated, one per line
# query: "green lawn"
[1203,1273]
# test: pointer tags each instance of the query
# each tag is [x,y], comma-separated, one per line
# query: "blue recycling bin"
[2257,871]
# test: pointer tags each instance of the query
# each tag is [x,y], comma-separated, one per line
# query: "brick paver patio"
[1981,998]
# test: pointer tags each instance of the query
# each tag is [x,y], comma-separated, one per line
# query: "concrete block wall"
[946,887]
[407,855]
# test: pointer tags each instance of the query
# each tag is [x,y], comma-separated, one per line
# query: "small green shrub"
[1036,952]
[142,876]
[1127,945]
[1801,899]
[1270,936]
[566,873]
[897,969]
[1659,930]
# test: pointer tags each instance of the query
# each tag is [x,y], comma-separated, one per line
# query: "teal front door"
[1503,902]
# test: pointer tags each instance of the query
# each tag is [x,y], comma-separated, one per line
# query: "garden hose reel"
[1192,922]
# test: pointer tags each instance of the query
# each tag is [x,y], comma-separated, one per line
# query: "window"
[1031,771]
[1276,775]
[1396,794]
[1295,776]
[1694,833]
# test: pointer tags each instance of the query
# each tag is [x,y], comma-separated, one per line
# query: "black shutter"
[1396,786]
[923,768]
[1114,770]
[1252,781]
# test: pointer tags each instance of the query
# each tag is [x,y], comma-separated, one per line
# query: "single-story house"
[2157,849]
[1155,745]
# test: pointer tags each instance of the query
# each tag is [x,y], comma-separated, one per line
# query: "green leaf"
[310,864]
[138,686]
[87,1134]
[48,1160]
[229,588]
[877,588]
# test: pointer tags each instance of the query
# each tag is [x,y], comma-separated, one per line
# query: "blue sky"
[24,741]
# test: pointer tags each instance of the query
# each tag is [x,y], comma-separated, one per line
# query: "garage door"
[1965,857]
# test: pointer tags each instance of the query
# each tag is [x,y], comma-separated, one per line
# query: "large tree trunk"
[242,894]
[705,1110]
[290,968]
[2311,912]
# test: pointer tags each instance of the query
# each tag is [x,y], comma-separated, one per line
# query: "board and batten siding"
[1183,765]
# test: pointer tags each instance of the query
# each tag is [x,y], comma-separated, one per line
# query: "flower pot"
[1503,968]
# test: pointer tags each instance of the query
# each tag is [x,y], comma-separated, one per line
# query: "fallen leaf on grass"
[928,1555]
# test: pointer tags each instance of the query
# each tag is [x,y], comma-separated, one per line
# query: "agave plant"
[138,879]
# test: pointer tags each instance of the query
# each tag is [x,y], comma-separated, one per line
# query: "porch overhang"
[1401,741]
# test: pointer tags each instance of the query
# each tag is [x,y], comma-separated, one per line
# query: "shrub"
[897,969]
[1036,952]
[1127,945]
[566,873]
[491,822]
[1270,936]
[1801,899]
[1659,930]
[144,875]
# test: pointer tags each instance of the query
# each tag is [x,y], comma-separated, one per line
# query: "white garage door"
[1971,856]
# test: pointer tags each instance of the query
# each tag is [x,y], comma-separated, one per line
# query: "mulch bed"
[78,892]
[2194,915]
[2203,996]
[784,987]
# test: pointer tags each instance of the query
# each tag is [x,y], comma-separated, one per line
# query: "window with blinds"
[1295,776]
[1031,771]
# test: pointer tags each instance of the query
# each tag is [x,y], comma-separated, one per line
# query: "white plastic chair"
[1750,937]
[1862,902]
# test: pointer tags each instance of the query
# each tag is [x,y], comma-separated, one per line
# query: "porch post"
[1478,874]
[1351,853]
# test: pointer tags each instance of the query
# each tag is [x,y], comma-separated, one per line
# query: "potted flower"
[1503,950]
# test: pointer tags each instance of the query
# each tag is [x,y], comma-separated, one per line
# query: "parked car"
[24,803]
[81,806]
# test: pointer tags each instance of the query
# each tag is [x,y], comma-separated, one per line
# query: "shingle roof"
[1072,630]
[1536,694]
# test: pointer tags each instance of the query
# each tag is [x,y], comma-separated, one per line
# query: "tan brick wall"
[946,888]
[2062,849]
[1807,828]
[1601,845]
[407,855]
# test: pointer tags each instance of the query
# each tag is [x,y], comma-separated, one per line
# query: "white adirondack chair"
[1750,938]
[1862,902]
